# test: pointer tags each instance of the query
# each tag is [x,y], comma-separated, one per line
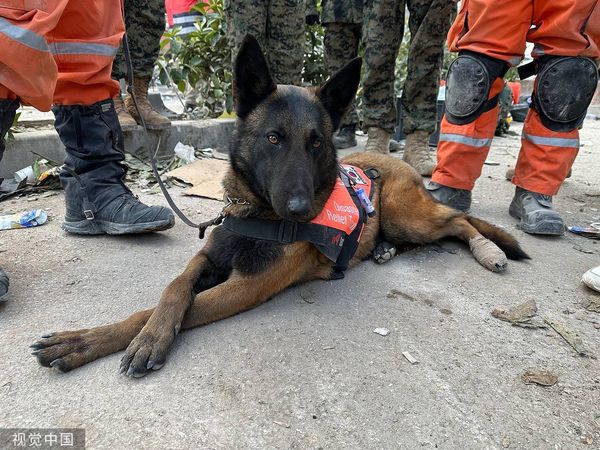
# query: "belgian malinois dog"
[283,166]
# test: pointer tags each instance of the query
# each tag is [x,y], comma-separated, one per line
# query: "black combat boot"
[455,198]
[8,110]
[97,200]
[536,213]
[345,137]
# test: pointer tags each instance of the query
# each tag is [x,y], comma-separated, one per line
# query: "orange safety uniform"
[59,51]
[499,29]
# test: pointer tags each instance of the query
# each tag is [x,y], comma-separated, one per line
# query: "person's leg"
[27,69]
[429,21]
[145,24]
[97,200]
[563,90]
[285,40]
[8,109]
[340,46]
[246,17]
[489,36]
[382,33]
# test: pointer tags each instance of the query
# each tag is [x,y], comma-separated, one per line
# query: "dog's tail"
[507,243]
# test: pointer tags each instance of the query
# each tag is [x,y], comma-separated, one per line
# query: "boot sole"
[547,227]
[96,227]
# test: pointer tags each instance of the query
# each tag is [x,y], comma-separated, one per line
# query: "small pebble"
[381,331]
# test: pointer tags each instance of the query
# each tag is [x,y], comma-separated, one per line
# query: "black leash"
[202,227]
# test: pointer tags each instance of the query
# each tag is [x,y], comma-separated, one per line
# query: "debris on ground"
[25,219]
[307,295]
[381,331]
[491,162]
[591,232]
[592,280]
[186,153]
[524,315]
[281,424]
[140,172]
[572,337]
[592,304]
[41,176]
[587,251]
[205,176]
[540,377]
[410,358]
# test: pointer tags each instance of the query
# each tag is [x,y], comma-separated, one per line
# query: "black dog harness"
[336,231]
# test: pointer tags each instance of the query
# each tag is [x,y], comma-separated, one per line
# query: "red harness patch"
[340,211]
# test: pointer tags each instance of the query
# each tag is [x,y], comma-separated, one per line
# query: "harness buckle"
[287,232]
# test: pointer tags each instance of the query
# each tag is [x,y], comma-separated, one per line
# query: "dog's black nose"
[298,206]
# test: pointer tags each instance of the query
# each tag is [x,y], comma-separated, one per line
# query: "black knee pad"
[468,84]
[563,90]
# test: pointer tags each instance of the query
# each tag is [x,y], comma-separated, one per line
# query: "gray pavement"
[306,370]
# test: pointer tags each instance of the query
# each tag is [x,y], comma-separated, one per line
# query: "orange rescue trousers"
[59,51]
[499,29]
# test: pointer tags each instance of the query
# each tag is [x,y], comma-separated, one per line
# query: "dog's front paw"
[384,252]
[68,350]
[148,351]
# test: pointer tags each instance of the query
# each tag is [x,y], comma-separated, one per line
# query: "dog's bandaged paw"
[488,254]
[384,252]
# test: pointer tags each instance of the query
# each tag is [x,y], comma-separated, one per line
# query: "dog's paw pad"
[384,252]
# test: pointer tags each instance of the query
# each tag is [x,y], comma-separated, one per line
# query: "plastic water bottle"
[26,219]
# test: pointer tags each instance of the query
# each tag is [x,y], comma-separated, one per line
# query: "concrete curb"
[215,133]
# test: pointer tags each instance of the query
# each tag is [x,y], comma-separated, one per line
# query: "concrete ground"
[306,370]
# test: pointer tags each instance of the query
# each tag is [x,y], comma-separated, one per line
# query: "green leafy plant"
[314,73]
[12,130]
[201,60]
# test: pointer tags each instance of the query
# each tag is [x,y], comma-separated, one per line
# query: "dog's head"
[283,148]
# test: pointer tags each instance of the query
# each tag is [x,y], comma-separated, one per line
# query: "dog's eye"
[316,143]
[273,139]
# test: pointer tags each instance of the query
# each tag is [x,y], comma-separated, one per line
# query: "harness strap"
[282,231]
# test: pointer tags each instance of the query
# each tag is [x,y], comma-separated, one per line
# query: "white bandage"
[488,254]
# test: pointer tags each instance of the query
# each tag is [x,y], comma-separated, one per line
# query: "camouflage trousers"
[429,22]
[278,25]
[145,23]
[341,45]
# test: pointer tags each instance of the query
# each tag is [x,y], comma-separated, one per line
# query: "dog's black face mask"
[283,147]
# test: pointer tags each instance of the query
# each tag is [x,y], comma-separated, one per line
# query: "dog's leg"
[239,293]
[70,349]
[417,218]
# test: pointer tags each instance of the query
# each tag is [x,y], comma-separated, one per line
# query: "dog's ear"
[252,81]
[339,91]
